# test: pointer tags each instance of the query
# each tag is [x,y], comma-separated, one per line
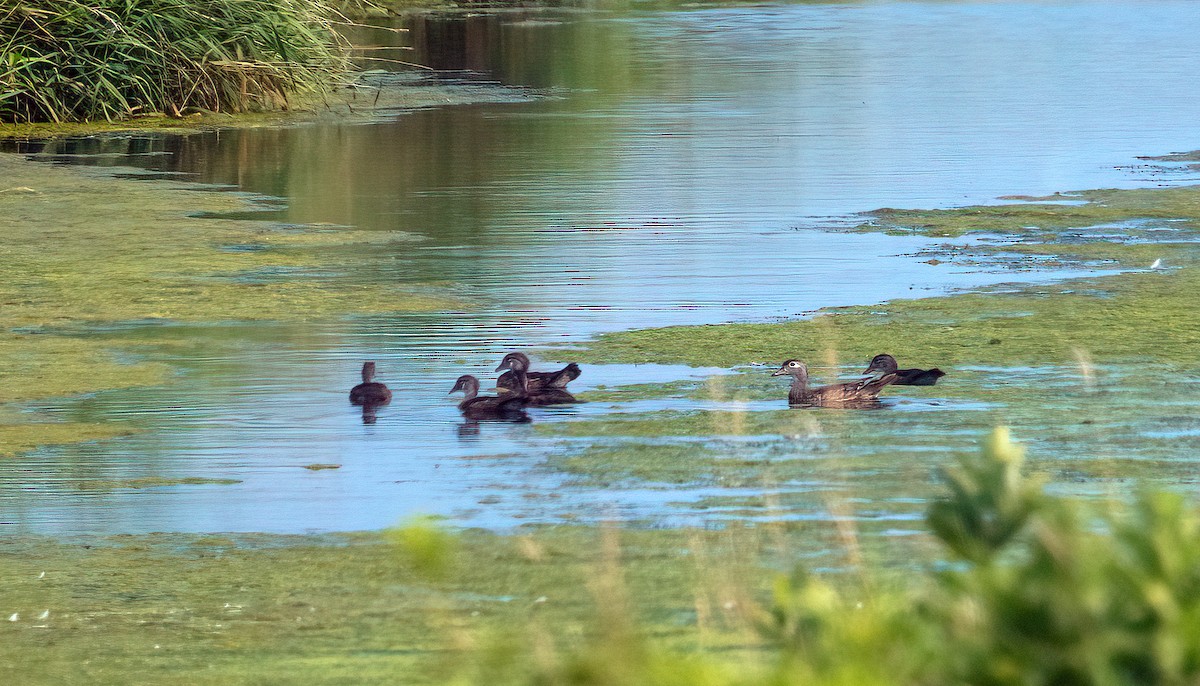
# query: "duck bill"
[782,371]
[502,366]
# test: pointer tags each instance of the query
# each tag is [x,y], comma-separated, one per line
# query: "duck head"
[368,371]
[468,384]
[794,368]
[884,364]
[518,362]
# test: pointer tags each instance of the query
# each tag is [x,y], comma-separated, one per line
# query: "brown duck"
[370,392]
[886,364]
[536,380]
[542,388]
[853,395]
[474,406]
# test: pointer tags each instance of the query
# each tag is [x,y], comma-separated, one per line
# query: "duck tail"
[874,386]
[564,376]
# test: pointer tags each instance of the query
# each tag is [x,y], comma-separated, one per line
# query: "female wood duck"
[474,406]
[886,364]
[370,392]
[853,395]
[537,380]
[542,388]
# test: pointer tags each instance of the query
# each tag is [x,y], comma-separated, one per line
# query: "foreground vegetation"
[79,60]
[1007,586]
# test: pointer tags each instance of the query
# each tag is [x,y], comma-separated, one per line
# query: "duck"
[474,406]
[536,380]
[852,395]
[542,388]
[886,364]
[370,392]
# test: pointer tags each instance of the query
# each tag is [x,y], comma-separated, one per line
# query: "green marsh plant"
[79,60]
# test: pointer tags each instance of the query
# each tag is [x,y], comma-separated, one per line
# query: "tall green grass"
[79,60]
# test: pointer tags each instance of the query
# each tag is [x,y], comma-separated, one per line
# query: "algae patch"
[1037,216]
[244,609]
[151,482]
[19,438]
[83,250]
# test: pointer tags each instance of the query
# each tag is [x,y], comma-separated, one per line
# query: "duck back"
[919,377]
[370,393]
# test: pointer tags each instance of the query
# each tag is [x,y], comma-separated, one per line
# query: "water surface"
[677,167]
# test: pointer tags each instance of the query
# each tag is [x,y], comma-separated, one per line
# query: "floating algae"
[150,482]
[349,608]
[83,249]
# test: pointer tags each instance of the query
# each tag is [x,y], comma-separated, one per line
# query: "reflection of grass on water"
[1021,588]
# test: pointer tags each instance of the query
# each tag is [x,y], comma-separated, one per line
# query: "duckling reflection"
[509,408]
[886,364]
[468,429]
[541,388]
[369,411]
[854,395]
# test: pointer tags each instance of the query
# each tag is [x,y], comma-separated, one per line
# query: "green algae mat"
[84,251]
[345,609]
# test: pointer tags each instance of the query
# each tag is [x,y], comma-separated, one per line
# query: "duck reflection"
[369,410]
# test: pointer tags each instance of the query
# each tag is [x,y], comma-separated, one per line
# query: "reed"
[79,60]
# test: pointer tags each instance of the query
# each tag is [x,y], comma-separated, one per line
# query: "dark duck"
[886,364]
[370,392]
[542,388]
[509,407]
[852,395]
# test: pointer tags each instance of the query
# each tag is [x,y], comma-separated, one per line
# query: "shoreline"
[367,97]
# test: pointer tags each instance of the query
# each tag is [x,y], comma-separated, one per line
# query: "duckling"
[853,395]
[536,380]
[475,406]
[550,389]
[370,392]
[886,364]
